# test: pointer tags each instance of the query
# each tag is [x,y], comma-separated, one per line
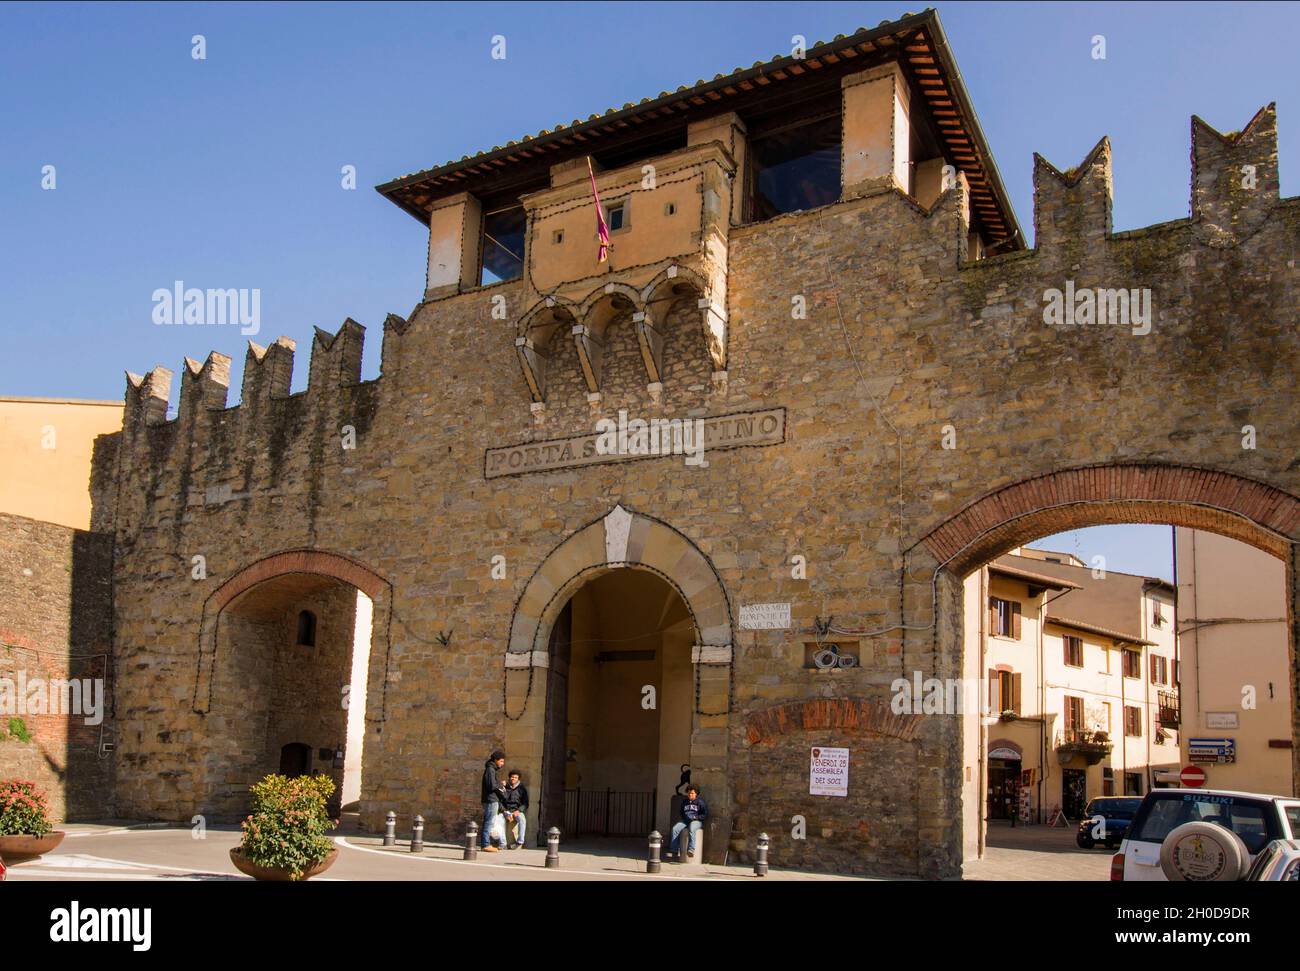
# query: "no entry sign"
[1193,776]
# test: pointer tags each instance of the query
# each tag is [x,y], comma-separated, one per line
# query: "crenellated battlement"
[1234,179]
[268,411]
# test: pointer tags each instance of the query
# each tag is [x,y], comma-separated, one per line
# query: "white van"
[1202,834]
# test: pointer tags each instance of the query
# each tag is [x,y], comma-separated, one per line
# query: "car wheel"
[1086,842]
[1201,851]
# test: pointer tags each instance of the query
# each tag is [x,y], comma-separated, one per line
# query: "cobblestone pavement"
[1037,853]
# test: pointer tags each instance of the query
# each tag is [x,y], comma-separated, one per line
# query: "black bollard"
[390,829]
[553,848]
[760,859]
[652,864]
[471,841]
[417,835]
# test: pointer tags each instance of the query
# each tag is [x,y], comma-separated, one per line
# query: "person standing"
[491,792]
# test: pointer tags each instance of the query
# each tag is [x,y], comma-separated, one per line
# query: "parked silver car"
[1280,860]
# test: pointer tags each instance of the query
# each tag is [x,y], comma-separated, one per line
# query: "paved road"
[118,853]
[108,853]
[1037,853]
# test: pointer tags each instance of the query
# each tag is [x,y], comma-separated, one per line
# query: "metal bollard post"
[652,864]
[417,835]
[553,848]
[760,860]
[390,829]
[471,841]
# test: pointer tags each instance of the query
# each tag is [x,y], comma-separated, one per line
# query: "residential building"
[1235,689]
[1075,660]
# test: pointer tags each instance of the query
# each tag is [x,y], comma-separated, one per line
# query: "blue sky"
[225,172]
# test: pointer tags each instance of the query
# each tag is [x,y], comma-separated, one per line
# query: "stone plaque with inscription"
[719,432]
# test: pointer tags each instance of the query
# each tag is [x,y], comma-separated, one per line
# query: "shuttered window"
[1132,663]
[1132,721]
[1073,714]
[1004,618]
[1074,651]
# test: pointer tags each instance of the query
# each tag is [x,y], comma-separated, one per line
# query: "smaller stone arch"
[619,539]
[673,284]
[535,340]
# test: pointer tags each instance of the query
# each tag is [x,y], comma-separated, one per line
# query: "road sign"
[1192,776]
[1220,750]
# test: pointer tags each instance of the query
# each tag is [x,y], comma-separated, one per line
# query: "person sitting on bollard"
[514,805]
[694,812]
[492,798]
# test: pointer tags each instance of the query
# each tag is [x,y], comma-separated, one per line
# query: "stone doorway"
[620,699]
[624,604]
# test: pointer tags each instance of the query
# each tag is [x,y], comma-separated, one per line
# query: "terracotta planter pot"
[246,866]
[15,849]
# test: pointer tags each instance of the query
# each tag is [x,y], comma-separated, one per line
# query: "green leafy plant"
[18,729]
[23,809]
[288,824]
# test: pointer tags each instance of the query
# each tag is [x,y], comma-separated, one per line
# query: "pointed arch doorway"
[625,612]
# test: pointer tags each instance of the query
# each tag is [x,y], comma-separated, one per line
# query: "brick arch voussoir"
[319,562]
[1207,499]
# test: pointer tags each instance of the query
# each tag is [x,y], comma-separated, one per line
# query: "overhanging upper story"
[878,110]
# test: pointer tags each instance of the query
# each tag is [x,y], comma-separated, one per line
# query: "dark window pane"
[503,245]
[796,169]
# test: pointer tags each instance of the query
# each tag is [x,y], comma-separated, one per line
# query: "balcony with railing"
[1092,745]
[1169,714]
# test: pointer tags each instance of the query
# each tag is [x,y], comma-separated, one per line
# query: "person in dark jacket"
[694,812]
[514,806]
[492,789]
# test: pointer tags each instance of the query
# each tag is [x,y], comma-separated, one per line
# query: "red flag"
[602,230]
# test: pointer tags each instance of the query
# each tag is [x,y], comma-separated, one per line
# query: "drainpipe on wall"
[1123,719]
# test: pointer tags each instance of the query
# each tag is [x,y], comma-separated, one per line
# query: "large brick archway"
[1221,502]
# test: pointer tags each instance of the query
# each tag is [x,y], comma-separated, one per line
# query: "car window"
[1247,819]
[1293,872]
[1292,814]
[1249,823]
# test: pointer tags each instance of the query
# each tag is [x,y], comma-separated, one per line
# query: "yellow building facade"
[46,446]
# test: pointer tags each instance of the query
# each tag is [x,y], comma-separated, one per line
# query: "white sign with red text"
[830,772]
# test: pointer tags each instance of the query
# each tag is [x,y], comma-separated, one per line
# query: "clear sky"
[225,172]
[1145,550]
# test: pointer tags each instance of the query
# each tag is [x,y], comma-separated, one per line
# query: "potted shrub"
[25,829]
[284,836]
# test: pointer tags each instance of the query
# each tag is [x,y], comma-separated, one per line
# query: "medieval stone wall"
[902,338]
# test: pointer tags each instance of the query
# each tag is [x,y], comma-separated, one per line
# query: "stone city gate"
[921,314]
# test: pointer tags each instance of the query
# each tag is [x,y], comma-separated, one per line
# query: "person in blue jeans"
[694,812]
[491,793]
